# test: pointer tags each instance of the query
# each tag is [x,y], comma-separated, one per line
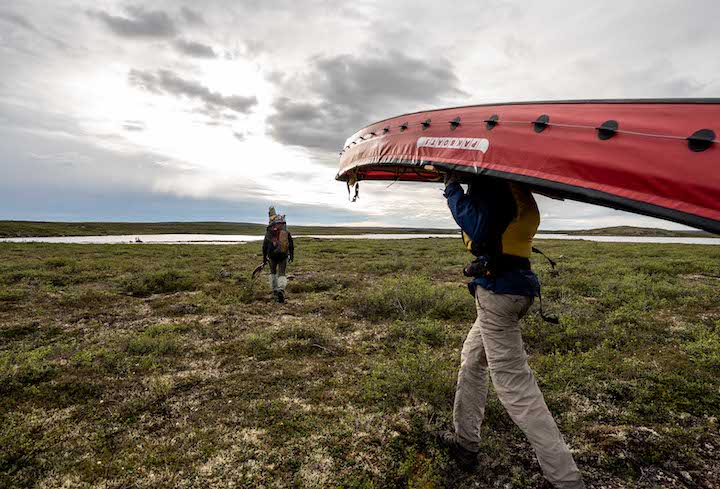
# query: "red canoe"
[659,158]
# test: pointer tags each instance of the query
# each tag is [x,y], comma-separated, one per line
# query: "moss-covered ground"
[166,366]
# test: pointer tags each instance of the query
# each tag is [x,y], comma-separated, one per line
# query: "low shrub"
[158,339]
[258,346]
[165,281]
[402,298]
[160,345]
[427,331]
[304,340]
[414,374]
[12,295]
[314,284]
[53,263]
[388,265]
[87,299]
[24,368]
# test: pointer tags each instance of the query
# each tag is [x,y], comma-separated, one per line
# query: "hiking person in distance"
[498,220]
[278,248]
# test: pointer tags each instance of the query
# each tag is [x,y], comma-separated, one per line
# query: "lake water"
[239,238]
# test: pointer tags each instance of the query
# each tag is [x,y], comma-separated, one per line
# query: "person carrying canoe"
[278,248]
[499,220]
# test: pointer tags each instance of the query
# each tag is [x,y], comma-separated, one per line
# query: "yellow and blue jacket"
[488,207]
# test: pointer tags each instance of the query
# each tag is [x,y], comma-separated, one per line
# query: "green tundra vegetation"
[19,229]
[166,366]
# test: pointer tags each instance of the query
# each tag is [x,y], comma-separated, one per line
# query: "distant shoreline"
[21,229]
[636,231]
[31,229]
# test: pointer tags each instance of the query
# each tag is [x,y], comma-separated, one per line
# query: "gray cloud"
[139,23]
[514,47]
[293,176]
[239,136]
[28,119]
[348,92]
[194,49]
[254,48]
[192,17]
[21,22]
[377,79]
[167,82]
[133,126]
[17,20]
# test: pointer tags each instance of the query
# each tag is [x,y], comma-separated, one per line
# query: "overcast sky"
[213,110]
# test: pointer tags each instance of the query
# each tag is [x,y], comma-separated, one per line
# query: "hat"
[271,212]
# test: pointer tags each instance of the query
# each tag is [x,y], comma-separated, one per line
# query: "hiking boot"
[466,458]
[281,297]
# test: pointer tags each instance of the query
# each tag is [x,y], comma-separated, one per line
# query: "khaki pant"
[278,280]
[495,342]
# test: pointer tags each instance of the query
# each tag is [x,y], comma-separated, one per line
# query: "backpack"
[279,239]
[505,212]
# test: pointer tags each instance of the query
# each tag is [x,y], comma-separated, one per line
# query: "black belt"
[505,263]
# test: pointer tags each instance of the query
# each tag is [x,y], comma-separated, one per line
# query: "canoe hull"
[644,163]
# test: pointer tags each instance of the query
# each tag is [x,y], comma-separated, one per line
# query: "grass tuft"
[161,282]
[412,373]
[411,297]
